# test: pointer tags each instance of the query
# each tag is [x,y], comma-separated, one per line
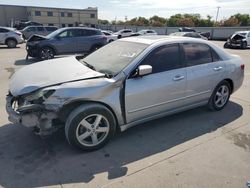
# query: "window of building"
[70,25]
[196,54]
[62,14]
[37,13]
[92,15]
[49,13]
[164,58]
[70,14]
[50,24]
[63,25]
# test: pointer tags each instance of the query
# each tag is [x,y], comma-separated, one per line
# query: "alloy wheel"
[92,130]
[221,96]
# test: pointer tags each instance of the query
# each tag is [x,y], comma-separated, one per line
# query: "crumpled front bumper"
[30,116]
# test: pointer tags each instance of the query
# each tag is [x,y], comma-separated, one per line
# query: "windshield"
[114,57]
[55,33]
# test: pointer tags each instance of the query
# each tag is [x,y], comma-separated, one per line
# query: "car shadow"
[26,61]
[26,160]
[5,47]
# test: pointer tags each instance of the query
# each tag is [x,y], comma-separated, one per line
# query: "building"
[60,17]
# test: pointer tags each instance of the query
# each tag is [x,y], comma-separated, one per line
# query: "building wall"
[9,13]
[78,16]
[18,13]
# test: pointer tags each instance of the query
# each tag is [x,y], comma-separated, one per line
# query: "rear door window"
[51,28]
[196,54]
[40,29]
[31,29]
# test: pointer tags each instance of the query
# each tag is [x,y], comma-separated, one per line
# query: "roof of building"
[63,8]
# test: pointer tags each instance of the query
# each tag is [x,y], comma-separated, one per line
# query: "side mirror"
[144,70]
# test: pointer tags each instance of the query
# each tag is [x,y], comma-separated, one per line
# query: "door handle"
[218,68]
[178,77]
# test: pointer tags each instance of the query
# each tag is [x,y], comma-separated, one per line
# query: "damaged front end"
[30,111]
[236,40]
[32,45]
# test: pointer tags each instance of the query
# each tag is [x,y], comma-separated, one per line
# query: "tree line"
[183,20]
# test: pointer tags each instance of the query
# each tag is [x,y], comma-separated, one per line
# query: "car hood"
[35,37]
[237,36]
[48,73]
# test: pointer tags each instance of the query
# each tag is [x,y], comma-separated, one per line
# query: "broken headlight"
[39,96]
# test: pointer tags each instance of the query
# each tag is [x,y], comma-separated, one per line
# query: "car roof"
[160,38]
[8,28]
[89,28]
[242,31]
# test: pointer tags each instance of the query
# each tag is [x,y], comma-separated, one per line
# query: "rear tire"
[11,43]
[90,126]
[220,96]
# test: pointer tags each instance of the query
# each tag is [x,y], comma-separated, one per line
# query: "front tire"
[46,53]
[220,96]
[90,126]
[244,45]
[226,45]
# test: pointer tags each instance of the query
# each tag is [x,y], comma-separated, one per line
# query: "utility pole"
[218,9]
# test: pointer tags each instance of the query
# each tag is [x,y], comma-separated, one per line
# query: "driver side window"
[164,58]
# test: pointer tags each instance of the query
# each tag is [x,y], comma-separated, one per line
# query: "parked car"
[125,83]
[10,37]
[147,32]
[144,32]
[238,39]
[187,29]
[22,25]
[110,36]
[124,33]
[188,34]
[65,41]
[37,30]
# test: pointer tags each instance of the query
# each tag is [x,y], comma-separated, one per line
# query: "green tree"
[104,22]
[157,21]
[232,21]
[243,19]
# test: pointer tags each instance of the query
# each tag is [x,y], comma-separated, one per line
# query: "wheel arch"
[10,38]
[49,46]
[69,107]
[230,81]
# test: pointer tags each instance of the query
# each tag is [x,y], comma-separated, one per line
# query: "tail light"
[19,34]
[242,67]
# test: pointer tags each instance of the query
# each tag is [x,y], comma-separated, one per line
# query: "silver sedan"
[125,83]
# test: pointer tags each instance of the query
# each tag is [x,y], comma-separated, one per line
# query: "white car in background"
[110,36]
[10,37]
[124,33]
[147,32]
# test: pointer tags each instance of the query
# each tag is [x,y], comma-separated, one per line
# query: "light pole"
[218,9]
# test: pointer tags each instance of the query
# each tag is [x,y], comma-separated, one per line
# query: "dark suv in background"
[70,40]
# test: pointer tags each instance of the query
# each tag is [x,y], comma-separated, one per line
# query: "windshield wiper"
[89,66]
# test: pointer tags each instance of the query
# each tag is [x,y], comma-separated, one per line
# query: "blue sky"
[111,9]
